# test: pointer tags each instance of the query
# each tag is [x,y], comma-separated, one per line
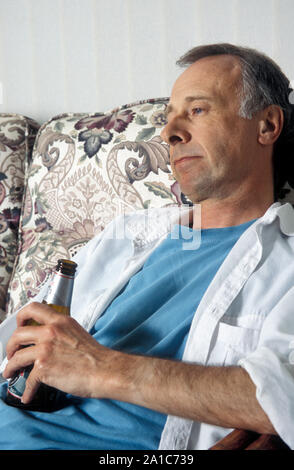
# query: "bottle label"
[17,384]
[60,290]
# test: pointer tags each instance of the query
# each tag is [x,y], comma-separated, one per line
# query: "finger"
[32,385]
[22,336]
[40,313]
[21,359]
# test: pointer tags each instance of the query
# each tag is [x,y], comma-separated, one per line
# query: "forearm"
[223,396]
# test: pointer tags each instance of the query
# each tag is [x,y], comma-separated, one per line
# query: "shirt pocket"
[232,344]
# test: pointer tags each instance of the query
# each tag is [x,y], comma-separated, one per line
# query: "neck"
[227,213]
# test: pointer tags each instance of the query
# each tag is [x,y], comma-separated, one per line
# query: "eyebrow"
[189,99]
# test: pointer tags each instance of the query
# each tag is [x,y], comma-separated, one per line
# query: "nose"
[175,132]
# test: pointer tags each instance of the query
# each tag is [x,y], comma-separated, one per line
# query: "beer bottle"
[58,297]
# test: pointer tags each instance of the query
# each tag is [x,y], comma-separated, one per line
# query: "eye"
[196,111]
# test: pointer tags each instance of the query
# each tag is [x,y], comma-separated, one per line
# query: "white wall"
[92,55]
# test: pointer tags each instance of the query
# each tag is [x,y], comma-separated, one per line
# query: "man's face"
[212,149]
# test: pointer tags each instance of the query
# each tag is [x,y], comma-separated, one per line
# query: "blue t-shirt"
[151,316]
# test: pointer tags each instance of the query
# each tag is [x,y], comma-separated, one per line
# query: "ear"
[270,125]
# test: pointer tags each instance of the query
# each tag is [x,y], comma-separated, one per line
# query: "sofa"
[63,181]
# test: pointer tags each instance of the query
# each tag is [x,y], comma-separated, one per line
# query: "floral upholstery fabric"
[17,135]
[85,170]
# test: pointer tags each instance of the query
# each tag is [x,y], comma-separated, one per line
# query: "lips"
[184,159]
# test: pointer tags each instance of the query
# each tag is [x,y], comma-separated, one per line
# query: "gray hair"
[263,84]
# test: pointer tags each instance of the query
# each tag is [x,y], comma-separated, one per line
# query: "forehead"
[218,77]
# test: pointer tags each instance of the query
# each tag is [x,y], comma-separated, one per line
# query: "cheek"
[223,146]
[173,170]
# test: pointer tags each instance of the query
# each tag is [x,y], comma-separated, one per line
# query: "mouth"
[185,159]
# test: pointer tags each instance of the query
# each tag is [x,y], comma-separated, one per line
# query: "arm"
[61,349]
[223,396]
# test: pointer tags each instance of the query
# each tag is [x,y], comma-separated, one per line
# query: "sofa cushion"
[85,170]
[17,134]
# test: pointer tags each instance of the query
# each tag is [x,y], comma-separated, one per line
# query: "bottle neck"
[60,289]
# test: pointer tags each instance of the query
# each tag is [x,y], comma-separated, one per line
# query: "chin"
[197,194]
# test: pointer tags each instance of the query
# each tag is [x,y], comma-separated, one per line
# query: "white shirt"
[246,316]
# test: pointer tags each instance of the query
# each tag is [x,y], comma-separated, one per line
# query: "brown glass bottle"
[58,296]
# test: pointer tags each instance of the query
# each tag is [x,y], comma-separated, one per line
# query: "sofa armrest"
[240,439]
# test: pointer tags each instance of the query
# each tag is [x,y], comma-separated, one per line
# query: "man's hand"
[65,356]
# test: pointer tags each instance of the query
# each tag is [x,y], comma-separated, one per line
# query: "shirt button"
[179,444]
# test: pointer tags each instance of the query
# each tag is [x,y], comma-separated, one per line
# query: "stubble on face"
[208,181]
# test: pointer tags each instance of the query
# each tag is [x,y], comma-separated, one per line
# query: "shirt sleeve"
[271,368]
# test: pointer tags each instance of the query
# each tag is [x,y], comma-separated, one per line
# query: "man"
[185,344]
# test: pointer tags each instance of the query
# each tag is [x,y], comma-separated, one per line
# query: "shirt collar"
[285,213]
